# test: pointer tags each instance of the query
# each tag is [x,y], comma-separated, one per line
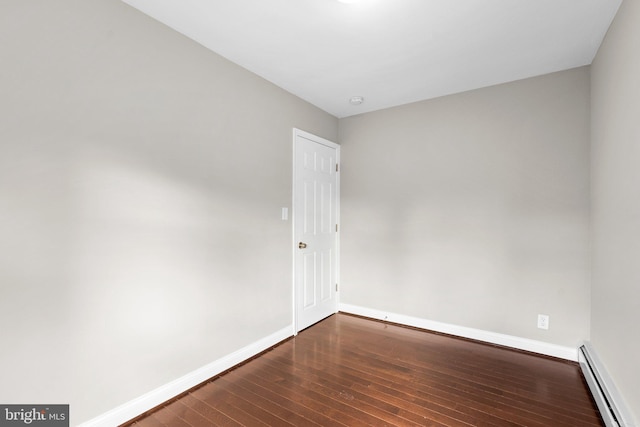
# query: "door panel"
[315,219]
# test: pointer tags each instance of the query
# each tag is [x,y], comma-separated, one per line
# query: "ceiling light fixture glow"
[347,1]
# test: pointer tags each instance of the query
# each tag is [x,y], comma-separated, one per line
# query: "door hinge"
[336,228]
[337,168]
[336,287]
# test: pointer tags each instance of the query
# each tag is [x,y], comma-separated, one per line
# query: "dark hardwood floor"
[350,371]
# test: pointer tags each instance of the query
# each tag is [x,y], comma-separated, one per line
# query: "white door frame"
[322,141]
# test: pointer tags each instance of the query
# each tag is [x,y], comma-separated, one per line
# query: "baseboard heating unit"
[611,406]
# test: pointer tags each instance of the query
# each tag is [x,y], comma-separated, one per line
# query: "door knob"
[302,245]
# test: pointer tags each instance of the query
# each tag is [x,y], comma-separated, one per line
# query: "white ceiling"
[391,52]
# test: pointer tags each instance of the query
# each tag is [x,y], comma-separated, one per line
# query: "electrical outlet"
[543,321]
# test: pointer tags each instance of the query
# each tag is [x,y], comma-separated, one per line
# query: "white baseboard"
[613,408]
[150,400]
[540,347]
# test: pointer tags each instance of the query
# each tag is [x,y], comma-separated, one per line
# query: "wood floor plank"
[474,385]
[366,384]
[308,399]
[346,388]
[411,382]
[322,394]
[282,412]
[314,417]
[341,391]
[148,421]
[436,403]
[169,418]
[193,418]
[212,415]
[238,409]
[351,371]
[460,390]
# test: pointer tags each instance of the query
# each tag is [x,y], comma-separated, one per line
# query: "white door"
[315,203]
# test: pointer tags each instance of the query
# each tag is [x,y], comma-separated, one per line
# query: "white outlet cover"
[543,321]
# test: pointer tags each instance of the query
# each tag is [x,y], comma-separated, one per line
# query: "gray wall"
[473,209]
[141,182]
[616,202]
